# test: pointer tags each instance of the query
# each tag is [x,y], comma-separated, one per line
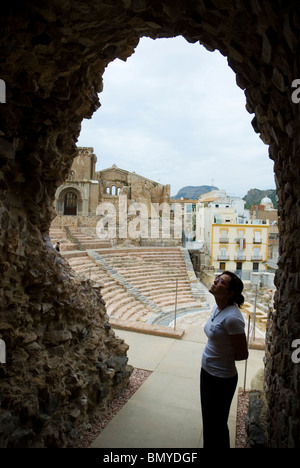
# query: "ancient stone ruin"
[63,361]
[85,187]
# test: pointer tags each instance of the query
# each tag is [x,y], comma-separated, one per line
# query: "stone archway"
[70,200]
[52,60]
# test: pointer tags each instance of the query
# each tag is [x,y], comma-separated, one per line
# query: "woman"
[226,344]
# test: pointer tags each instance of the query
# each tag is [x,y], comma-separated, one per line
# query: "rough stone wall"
[84,165]
[63,364]
[52,60]
[135,187]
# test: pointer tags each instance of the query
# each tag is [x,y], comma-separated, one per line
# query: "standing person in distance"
[226,344]
[56,246]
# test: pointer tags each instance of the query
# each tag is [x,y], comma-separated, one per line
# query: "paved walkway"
[165,412]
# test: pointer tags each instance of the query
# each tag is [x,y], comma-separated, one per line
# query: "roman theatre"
[64,362]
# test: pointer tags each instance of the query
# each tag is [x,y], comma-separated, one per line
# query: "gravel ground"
[242,408]
[137,378]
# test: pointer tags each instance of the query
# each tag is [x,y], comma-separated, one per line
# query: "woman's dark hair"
[236,285]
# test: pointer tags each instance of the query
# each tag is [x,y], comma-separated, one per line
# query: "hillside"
[255,196]
[194,192]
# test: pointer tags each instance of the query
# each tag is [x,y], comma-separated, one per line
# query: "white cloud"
[174,113]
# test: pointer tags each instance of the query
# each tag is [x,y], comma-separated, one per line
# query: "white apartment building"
[217,207]
[231,240]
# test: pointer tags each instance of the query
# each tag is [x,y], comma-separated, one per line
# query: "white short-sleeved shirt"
[218,355]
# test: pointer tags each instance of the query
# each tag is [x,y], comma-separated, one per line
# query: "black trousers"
[216,397]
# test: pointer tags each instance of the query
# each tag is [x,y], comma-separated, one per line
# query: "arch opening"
[70,204]
[181,110]
[205,137]
[261,41]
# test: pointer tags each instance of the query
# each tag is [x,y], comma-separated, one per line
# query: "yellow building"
[239,247]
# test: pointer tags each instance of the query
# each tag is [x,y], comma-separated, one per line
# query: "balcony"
[224,240]
[240,258]
[257,240]
[256,258]
[223,258]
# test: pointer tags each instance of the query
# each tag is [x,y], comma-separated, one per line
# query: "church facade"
[78,195]
[85,188]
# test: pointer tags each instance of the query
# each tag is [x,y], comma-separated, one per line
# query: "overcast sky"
[174,114]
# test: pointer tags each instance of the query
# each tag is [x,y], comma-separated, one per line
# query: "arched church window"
[70,204]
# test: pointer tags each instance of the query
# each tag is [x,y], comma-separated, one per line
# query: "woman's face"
[221,287]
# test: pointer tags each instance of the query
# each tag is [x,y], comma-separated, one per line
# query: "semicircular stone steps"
[120,303]
[154,273]
[137,283]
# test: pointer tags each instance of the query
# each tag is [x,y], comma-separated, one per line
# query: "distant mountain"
[255,196]
[194,192]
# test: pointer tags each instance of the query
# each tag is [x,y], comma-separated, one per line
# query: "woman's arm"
[239,343]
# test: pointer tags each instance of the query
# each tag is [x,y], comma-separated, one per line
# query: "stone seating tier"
[135,282]
[119,302]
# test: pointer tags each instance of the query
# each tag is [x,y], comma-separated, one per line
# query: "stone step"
[128,311]
[88,242]
[64,247]
[73,253]
[180,296]
[154,286]
[180,302]
[118,309]
[137,283]
[112,295]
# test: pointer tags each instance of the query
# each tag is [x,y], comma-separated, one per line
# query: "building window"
[255,266]
[239,267]
[222,266]
[224,237]
[223,253]
[70,204]
[240,254]
[256,254]
[257,237]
